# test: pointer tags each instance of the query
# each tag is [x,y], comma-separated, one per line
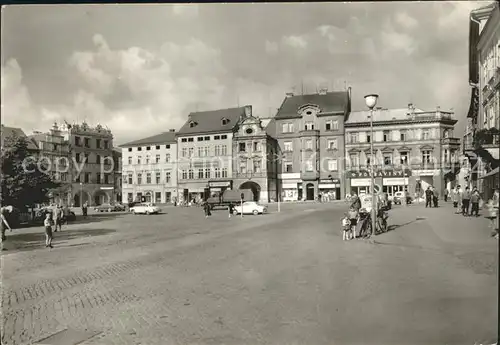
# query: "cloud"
[393,40]
[271,48]
[295,41]
[403,19]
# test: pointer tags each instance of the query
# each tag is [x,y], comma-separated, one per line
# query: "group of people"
[431,197]
[351,217]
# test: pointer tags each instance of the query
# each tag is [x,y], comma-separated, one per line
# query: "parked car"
[145,208]
[109,208]
[400,196]
[250,207]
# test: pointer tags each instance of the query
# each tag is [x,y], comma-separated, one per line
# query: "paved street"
[281,278]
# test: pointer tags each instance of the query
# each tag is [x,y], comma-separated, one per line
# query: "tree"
[25,181]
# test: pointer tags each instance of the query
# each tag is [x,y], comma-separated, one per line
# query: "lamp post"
[81,194]
[371,101]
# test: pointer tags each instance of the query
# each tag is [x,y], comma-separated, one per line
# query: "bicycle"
[365,221]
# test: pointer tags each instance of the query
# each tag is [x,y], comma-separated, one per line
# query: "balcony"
[309,175]
[451,141]
[309,133]
[250,175]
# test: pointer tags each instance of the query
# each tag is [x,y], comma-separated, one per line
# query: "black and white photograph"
[301,173]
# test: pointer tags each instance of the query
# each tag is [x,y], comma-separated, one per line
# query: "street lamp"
[371,101]
[81,194]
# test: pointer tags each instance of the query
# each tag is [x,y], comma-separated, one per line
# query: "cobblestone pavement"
[281,278]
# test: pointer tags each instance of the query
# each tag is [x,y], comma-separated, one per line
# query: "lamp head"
[371,100]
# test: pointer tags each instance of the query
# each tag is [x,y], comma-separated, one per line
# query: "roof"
[331,102]
[271,128]
[211,121]
[398,114]
[7,132]
[165,137]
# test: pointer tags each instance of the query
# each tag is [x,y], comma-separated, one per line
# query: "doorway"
[310,191]
[254,187]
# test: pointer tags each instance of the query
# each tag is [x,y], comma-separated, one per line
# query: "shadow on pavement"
[397,226]
[31,241]
[94,218]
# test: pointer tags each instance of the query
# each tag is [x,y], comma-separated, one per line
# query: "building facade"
[205,146]
[484,111]
[117,175]
[149,169]
[92,162]
[254,160]
[413,150]
[310,135]
[54,151]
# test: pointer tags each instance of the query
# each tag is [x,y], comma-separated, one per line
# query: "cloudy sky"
[140,69]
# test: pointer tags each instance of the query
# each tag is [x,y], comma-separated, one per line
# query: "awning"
[289,186]
[328,186]
[491,173]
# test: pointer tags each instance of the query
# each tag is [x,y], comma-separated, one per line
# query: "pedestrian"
[494,215]
[435,197]
[466,202]
[353,221]
[230,209]
[58,218]
[84,209]
[474,199]
[446,193]
[455,197]
[48,223]
[428,197]
[4,224]
[355,202]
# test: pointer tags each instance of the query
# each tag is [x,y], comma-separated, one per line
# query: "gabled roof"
[211,121]
[271,128]
[331,102]
[8,132]
[162,138]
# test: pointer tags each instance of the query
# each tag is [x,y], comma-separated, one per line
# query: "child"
[353,219]
[346,228]
[48,230]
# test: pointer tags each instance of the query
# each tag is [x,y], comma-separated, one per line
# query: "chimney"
[248,110]
[411,109]
[289,94]
[438,111]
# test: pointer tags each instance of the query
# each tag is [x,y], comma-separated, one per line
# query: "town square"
[266,173]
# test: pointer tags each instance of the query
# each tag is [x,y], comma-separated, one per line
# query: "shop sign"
[379,173]
[334,180]
[219,184]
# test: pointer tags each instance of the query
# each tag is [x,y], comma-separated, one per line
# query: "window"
[353,137]
[256,166]
[207,172]
[332,165]
[309,144]
[332,144]
[139,148]
[216,150]
[147,159]
[387,158]
[217,172]
[107,179]
[224,172]
[387,136]
[191,124]
[309,165]
[309,126]
[200,151]
[403,157]
[200,173]
[148,178]
[190,140]
[403,135]
[426,156]
[157,158]
[129,149]
[138,159]
[216,137]
[369,159]
[288,167]
[158,197]
[167,146]
[167,176]
[354,158]
[243,167]
[157,147]
[288,147]
[130,178]
[129,160]
[256,146]
[87,177]
[224,136]
[368,137]
[191,174]
[242,147]
[191,152]
[184,140]
[148,148]
[78,141]
[207,151]
[98,178]
[329,126]
[87,142]
[207,138]
[184,152]
[426,134]
[106,144]
[224,122]
[287,128]
[130,196]
[223,150]
[184,174]
[77,157]
[249,147]
[87,160]
[199,139]
[335,125]
[167,158]
[98,143]
[158,177]
[139,178]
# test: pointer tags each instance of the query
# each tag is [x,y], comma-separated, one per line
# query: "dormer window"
[192,124]
[224,121]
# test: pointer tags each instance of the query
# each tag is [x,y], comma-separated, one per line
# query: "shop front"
[218,187]
[360,186]
[392,185]
[329,189]
[291,187]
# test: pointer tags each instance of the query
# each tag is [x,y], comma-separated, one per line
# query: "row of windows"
[99,178]
[330,125]
[148,148]
[84,157]
[255,166]
[388,158]
[249,147]
[387,136]
[86,143]
[204,138]
[203,173]
[204,151]
[149,197]
[148,159]
[309,166]
[331,144]
[139,178]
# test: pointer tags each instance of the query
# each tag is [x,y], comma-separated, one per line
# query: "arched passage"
[101,197]
[81,198]
[310,191]
[254,187]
